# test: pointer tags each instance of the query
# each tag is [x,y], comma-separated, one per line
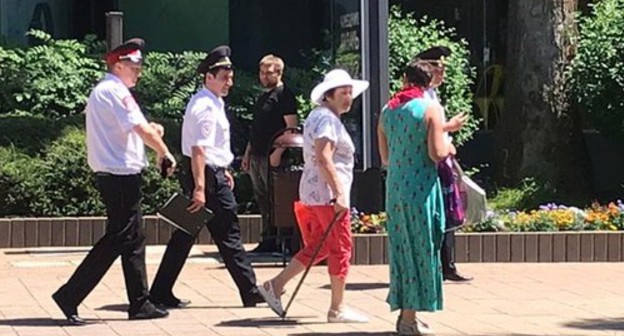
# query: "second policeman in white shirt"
[207,154]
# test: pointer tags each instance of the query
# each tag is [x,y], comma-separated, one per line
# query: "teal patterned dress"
[415,210]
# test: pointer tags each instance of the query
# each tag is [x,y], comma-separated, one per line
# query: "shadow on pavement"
[266,322]
[124,307]
[597,324]
[114,307]
[270,259]
[347,333]
[40,322]
[191,306]
[362,286]
[37,251]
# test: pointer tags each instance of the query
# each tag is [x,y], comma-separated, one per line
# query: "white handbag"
[473,197]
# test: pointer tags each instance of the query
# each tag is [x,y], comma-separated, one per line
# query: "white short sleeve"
[126,110]
[325,128]
[206,129]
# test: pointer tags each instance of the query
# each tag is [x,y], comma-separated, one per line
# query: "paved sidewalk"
[504,299]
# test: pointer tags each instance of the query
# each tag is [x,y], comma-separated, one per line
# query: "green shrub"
[51,79]
[514,198]
[167,82]
[31,134]
[409,36]
[529,194]
[67,186]
[19,182]
[598,68]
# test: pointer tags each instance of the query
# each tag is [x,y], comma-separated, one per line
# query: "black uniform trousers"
[121,194]
[224,229]
[448,253]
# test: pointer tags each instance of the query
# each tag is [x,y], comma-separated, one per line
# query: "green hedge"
[51,177]
[19,182]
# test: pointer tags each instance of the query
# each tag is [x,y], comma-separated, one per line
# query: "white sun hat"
[337,78]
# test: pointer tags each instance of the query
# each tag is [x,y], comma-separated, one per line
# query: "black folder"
[174,212]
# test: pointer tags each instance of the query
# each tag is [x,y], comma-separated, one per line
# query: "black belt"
[214,168]
[107,174]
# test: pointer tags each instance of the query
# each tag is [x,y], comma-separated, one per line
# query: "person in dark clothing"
[435,56]
[274,110]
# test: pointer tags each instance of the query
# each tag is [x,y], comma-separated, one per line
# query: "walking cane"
[316,252]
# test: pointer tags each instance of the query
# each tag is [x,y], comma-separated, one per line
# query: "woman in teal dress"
[411,142]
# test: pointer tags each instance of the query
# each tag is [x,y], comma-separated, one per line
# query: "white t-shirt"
[206,125]
[431,94]
[313,188]
[112,146]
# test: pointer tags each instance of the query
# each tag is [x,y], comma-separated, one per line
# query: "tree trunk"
[539,135]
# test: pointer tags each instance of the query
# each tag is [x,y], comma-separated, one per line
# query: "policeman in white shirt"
[436,56]
[207,154]
[116,134]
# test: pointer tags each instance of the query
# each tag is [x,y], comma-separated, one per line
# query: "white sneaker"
[346,315]
[274,302]
[413,329]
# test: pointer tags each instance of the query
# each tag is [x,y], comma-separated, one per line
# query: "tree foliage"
[52,78]
[598,69]
[167,82]
[408,36]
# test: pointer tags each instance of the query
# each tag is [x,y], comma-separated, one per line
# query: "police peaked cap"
[219,57]
[437,53]
[130,50]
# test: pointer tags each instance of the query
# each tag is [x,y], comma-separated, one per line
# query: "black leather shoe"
[170,303]
[456,277]
[70,312]
[264,247]
[253,299]
[148,311]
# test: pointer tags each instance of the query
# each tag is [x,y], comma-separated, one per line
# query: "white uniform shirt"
[206,125]
[430,93]
[112,146]
[313,188]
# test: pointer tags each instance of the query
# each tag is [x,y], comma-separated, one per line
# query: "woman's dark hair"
[329,93]
[417,73]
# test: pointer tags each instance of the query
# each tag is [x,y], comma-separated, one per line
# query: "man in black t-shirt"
[275,109]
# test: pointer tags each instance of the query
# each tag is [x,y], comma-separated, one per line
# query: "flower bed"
[367,223]
[547,218]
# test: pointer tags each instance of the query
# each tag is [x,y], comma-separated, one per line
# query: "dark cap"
[437,53]
[219,57]
[127,51]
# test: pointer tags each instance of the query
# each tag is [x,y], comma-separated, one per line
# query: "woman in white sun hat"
[324,191]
